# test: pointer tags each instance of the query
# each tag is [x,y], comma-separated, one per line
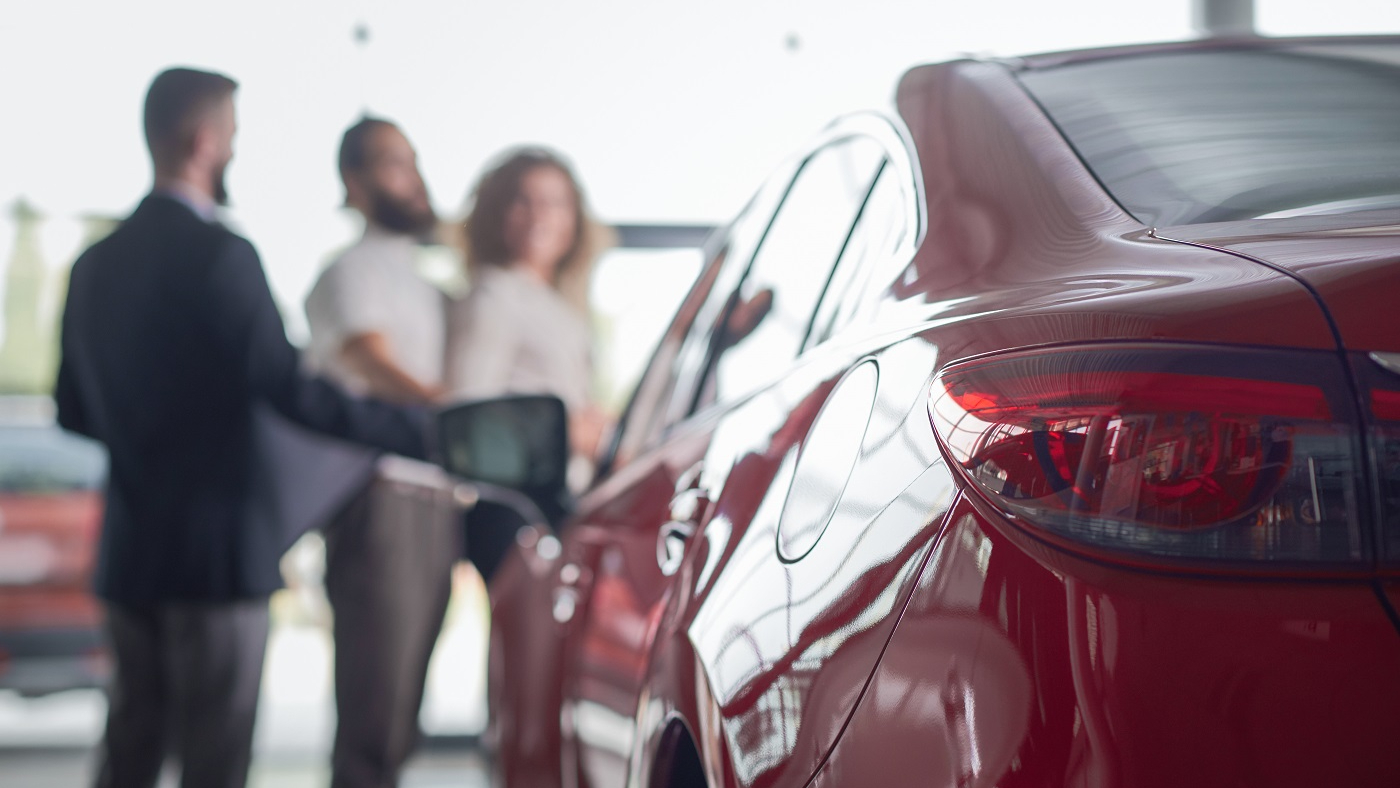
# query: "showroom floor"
[31,768]
[47,742]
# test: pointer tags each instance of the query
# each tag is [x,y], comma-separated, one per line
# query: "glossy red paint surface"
[1016,665]
[1350,260]
[604,678]
[525,643]
[582,613]
[770,633]
[849,611]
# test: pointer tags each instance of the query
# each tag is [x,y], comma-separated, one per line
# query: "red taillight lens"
[1379,375]
[1173,451]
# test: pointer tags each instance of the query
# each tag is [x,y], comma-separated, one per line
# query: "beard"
[401,216]
[220,194]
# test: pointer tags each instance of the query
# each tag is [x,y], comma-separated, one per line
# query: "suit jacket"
[171,346]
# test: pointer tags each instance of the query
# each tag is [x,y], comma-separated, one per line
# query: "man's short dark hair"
[175,103]
[354,144]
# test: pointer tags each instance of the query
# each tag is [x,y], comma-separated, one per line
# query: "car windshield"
[1221,135]
[37,460]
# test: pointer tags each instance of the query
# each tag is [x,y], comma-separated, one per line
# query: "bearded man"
[375,323]
[377,326]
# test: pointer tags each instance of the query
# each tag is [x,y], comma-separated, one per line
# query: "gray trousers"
[389,559]
[185,679]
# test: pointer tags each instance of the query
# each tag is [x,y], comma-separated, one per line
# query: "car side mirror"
[517,442]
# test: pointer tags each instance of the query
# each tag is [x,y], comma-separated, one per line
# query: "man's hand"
[586,428]
[368,355]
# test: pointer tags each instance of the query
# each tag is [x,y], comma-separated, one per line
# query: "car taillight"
[1379,374]
[1173,451]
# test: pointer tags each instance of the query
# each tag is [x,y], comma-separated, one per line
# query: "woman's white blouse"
[512,334]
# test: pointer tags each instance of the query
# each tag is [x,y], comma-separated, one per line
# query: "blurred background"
[671,113]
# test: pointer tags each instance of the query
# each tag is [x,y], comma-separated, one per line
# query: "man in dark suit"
[171,345]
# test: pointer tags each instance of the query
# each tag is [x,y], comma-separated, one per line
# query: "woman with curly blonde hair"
[523,326]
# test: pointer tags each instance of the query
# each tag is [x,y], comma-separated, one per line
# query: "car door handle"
[670,545]
[688,508]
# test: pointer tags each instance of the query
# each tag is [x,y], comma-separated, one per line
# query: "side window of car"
[679,359]
[765,320]
[869,257]
[642,419]
[737,251]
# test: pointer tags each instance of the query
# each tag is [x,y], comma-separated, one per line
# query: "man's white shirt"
[375,287]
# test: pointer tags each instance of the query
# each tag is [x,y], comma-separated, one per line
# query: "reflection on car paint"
[830,454]
[1021,663]
[787,621]
[928,638]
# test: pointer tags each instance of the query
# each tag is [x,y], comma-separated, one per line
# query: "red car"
[1044,432]
[50,513]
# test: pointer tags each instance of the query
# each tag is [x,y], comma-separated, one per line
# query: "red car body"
[1028,489]
[50,514]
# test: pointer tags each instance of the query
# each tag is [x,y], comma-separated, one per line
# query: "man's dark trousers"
[188,672]
[384,633]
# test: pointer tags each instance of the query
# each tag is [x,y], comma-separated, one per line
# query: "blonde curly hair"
[492,196]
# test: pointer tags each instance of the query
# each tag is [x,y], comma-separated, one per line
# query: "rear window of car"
[1222,135]
[40,460]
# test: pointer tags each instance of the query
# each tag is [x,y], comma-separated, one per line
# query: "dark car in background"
[50,514]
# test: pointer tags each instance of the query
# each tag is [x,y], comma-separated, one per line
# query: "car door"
[828,488]
[609,582]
